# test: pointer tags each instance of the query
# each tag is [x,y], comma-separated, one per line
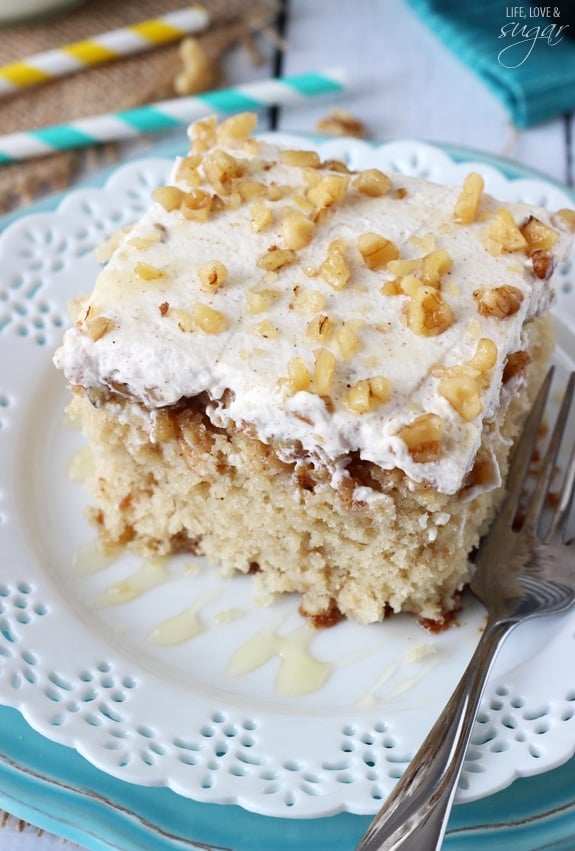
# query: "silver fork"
[523,570]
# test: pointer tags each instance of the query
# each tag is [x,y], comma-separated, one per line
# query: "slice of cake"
[313,375]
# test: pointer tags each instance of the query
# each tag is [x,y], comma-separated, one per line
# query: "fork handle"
[415,815]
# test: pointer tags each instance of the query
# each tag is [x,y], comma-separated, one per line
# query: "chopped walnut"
[347,338]
[251,190]
[504,234]
[334,269]
[372,182]
[515,364]
[329,191]
[410,284]
[426,242]
[392,287]
[376,250]
[141,243]
[463,394]
[198,73]
[276,258]
[499,302]
[196,205]
[310,271]
[260,300]
[320,328]
[543,264]
[237,128]
[311,177]
[427,313]
[97,326]
[434,266]
[261,217]
[233,200]
[207,319]
[483,360]
[323,372]
[423,437]
[170,197]
[539,236]
[188,169]
[220,169]
[300,159]
[302,202]
[218,204]
[183,319]
[266,329]
[147,272]
[297,230]
[462,385]
[203,134]
[339,122]
[275,192]
[298,375]
[467,203]
[212,274]
[307,301]
[336,165]
[404,267]
[368,394]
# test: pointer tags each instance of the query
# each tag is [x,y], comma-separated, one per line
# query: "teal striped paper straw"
[152,118]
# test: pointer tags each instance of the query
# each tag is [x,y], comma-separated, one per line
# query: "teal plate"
[56,789]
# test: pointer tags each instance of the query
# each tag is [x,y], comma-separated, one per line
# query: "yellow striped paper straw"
[107,47]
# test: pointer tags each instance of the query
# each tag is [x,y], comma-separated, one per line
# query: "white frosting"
[147,356]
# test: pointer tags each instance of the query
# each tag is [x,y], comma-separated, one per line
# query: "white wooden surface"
[403,83]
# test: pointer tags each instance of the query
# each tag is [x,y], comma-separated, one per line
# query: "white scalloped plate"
[318,722]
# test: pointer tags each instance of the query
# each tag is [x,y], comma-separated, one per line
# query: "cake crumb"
[229,615]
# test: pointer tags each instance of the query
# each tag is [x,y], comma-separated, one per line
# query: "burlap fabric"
[122,84]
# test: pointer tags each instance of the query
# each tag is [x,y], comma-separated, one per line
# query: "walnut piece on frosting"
[467,204]
[428,314]
[207,319]
[334,269]
[368,394]
[463,385]
[372,182]
[323,372]
[376,251]
[97,325]
[504,234]
[212,274]
[423,437]
[499,302]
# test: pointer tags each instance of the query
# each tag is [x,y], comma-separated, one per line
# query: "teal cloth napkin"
[524,52]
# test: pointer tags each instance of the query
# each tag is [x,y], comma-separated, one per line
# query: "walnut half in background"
[339,122]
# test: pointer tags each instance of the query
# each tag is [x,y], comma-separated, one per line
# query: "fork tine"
[561,514]
[524,451]
[548,465]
